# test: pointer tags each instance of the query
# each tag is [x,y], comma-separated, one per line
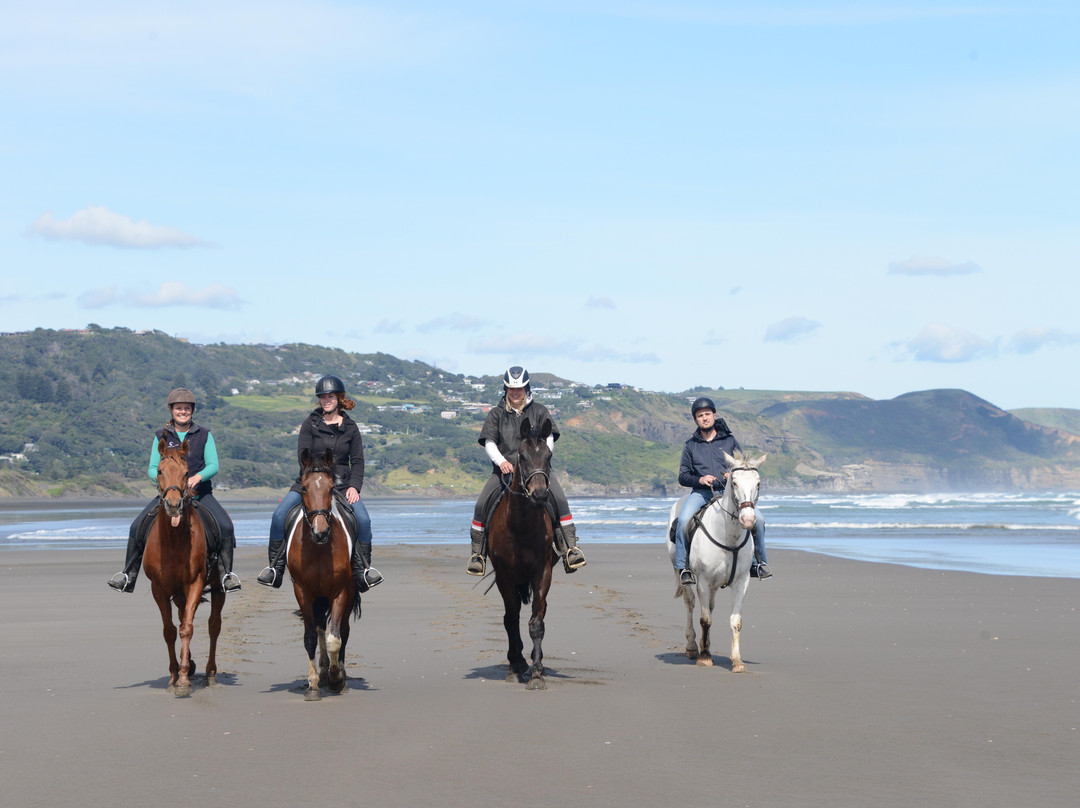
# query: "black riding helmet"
[702,403]
[329,384]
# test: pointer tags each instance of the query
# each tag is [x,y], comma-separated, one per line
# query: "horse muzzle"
[747,515]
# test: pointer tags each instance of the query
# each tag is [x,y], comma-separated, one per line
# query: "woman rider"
[500,437]
[202,461]
[329,427]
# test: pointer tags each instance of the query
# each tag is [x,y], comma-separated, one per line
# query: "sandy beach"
[868,684]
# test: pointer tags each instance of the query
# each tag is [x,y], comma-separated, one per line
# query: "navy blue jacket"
[701,457]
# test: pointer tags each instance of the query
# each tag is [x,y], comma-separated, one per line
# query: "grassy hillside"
[77,412]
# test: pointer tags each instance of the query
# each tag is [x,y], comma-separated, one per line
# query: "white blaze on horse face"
[744,483]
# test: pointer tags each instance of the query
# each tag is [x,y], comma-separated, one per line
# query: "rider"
[704,469]
[329,427]
[202,461]
[500,437]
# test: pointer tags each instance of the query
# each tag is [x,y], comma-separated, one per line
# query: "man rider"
[704,470]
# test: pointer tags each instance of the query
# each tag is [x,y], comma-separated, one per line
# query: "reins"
[746,533]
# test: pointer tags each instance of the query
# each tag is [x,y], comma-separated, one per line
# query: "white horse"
[721,556]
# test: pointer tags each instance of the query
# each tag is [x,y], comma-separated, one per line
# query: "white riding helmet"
[515,378]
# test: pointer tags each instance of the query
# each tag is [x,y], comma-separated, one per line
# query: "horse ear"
[526,428]
[545,430]
[305,458]
[328,457]
[756,464]
[184,447]
[161,446]
[731,461]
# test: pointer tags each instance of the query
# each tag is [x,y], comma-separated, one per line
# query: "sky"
[875,197]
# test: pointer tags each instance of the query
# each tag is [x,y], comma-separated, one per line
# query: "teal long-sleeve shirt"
[209,457]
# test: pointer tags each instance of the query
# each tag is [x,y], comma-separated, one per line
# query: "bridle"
[734,518]
[163,492]
[309,515]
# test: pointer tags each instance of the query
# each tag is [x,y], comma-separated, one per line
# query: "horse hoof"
[211,679]
[312,694]
[337,686]
[513,676]
[536,683]
[182,691]
[738,667]
[691,653]
[705,661]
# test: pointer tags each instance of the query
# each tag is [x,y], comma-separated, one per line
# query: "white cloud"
[933,266]
[385,326]
[791,329]
[97,224]
[453,322]
[1032,339]
[600,303]
[172,293]
[943,343]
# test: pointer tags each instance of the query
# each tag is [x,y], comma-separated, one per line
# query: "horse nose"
[748,518]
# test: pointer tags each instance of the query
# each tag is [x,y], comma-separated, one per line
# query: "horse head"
[316,493]
[172,479]
[534,461]
[743,485]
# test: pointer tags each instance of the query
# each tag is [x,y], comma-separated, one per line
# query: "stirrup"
[121,582]
[575,565]
[687,578]
[271,580]
[230,582]
[477,565]
[372,577]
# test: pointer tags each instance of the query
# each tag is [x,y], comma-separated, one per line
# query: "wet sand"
[868,684]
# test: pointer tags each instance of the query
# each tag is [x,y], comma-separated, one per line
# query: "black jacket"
[503,426]
[701,457]
[344,439]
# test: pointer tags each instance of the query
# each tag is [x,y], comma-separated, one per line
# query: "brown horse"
[520,547]
[175,563]
[318,556]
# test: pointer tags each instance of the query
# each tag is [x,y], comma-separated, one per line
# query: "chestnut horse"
[318,556]
[175,562]
[520,547]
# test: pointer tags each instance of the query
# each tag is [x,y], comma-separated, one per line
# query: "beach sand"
[868,684]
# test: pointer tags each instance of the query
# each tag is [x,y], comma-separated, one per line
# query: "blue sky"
[874,197]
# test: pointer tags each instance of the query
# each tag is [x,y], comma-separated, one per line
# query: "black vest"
[196,441]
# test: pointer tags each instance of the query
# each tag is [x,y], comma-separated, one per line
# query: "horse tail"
[356,605]
[524,592]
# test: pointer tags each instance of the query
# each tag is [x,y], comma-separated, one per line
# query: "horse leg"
[217,603]
[512,624]
[707,603]
[311,640]
[536,630]
[187,629]
[691,629]
[739,590]
[336,670]
[168,631]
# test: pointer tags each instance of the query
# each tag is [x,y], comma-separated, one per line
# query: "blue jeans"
[292,499]
[694,503]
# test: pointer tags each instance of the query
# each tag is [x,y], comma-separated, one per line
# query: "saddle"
[342,508]
[211,530]
[501,492]
[693,524]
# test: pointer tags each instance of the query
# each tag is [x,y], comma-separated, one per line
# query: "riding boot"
[230,581]
[365,575]
[566,545]
[759,569]
[477,564]
[274,574]
[124,581]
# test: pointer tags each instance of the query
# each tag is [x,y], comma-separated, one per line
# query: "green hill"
[78,408]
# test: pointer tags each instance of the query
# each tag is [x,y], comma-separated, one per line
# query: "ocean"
[1003,534]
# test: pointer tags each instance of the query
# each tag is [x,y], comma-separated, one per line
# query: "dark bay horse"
[318,556]
[520,546]
[175,562]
